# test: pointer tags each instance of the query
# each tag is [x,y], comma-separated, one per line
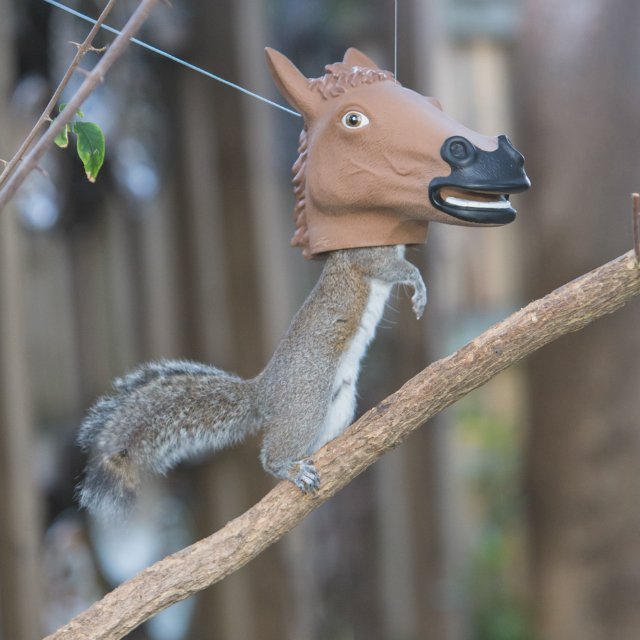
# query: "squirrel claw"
[419,301]
[306,478]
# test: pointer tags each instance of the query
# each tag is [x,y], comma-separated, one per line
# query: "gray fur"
[161,413]
[166,411]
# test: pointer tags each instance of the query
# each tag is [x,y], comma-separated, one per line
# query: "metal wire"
[173,58]
[395,40]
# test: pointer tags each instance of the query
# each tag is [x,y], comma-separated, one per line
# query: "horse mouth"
[474,206]
[478,187]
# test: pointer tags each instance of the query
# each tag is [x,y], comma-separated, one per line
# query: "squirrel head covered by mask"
[378,161]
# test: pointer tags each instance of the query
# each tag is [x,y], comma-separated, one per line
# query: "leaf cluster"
[90,144]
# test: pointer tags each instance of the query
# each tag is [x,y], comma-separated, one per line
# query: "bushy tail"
[161,413]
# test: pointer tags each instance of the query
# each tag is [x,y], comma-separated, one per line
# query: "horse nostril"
[458,151]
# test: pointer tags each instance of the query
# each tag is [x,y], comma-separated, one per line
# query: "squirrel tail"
[160,414]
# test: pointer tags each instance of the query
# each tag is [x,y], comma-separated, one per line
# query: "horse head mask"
[378,161]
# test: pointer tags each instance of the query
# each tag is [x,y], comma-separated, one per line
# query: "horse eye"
[354,120]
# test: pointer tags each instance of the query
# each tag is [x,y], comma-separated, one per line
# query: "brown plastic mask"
[378,161]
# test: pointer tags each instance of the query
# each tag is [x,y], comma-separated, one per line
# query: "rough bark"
[200,565]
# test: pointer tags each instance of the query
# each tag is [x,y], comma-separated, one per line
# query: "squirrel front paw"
[305,476]
[419,298]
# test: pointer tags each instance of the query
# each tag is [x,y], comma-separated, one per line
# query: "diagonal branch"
[92,80]
[567,309]
[82,49]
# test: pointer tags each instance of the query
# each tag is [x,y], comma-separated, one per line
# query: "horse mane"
[338,79]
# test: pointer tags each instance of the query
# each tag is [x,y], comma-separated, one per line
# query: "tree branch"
[96,76]
[82,49]
[567,309]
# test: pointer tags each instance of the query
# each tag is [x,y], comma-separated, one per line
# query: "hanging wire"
[395,40]
[173,58]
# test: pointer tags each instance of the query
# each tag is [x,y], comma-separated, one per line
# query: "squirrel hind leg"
[110,484]
[305,476]
[302,473]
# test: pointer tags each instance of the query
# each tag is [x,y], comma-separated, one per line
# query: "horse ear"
[292,84]
[355,58]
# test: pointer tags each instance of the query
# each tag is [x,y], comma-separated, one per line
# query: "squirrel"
[165,411]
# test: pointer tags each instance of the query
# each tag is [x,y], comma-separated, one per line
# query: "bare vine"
[82,50]
[22,169]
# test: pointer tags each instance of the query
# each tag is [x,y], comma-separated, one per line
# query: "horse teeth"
[478,204]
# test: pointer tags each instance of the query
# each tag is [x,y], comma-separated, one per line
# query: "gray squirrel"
[164,412]
[377,162]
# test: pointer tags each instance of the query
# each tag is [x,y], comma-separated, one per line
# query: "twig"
[200,565]
[82,49]
[635,213]
[96,76]
[91,48]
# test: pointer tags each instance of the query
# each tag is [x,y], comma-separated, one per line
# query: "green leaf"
[90,147]
[62,139]
[64,104]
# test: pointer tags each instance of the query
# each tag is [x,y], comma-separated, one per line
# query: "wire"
[395,40]
[173,58]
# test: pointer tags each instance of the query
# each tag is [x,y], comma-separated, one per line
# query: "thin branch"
[93,79]
[82,49]
[200,565]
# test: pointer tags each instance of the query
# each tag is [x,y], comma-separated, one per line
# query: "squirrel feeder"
[377,163]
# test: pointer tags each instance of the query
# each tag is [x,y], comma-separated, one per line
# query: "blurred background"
[515,515]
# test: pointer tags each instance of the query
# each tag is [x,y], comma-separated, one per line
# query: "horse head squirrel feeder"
[379,161]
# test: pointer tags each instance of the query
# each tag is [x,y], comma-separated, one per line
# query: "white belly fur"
[343,395]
